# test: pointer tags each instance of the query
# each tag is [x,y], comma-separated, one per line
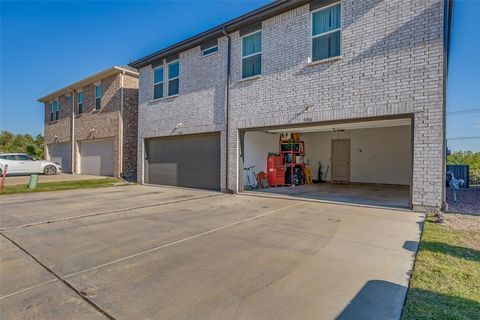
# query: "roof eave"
[79,84]
[257,15]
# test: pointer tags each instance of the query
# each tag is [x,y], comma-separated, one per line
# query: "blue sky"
[47,45]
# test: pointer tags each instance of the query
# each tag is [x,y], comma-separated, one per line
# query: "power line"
[466,111]
[464,138]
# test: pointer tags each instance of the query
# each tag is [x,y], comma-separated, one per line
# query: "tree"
[23,143]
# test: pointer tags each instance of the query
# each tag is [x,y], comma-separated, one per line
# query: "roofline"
[257,15]
[79,84]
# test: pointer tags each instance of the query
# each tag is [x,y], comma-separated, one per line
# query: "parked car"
[20,163]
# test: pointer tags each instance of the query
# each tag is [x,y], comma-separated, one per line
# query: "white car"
[20,163]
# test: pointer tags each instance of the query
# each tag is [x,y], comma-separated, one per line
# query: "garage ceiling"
[347,126]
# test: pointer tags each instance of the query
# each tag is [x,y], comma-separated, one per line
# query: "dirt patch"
[462,222]
[468,201]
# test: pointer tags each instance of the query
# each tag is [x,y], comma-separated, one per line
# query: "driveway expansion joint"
[65,282]
[33,224]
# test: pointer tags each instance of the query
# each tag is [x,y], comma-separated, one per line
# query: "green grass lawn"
[60,185]
[445,283]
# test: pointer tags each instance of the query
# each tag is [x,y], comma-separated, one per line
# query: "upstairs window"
[252,54]
[57,107]
[209,51]
[173,78]
[98,96]
[326,32]
[80,103]
[158,83]
[52,111]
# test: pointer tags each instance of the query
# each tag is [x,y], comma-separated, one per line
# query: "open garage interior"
[367,162]
[191,161]
[97,157]
[61,153]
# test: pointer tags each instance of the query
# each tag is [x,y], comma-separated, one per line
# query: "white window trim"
[211,53]
[162,82]
[174,78]
[325,33]
[251,55]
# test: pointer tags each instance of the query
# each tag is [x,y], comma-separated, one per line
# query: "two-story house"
[352,90]
[91,125]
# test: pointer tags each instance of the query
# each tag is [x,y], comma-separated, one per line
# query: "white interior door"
[341,161]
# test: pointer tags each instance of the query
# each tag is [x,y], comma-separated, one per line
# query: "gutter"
[227,105]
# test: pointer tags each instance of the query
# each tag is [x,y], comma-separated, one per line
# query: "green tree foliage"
[467,157]
[23,143]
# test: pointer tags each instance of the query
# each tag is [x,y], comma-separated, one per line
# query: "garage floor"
[394,196]
[146,252]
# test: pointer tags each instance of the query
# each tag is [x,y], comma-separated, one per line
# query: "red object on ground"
[3,178]
[275,171]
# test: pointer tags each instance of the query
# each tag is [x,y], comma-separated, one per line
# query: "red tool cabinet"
[276,171]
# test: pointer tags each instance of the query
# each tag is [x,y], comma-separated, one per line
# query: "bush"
[22,143]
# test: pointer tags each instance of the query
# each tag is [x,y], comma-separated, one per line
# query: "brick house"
[91,125]
[362,83]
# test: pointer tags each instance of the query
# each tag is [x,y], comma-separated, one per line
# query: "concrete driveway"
[144,252]
[23,179]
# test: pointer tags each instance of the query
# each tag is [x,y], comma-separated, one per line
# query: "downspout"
[227,106]
[72,134]
[120,136]
[448,24]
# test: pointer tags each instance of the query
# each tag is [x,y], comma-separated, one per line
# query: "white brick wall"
[392,64]
[199,107]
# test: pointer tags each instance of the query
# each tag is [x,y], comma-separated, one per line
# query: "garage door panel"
[186,161]
[97,157]
[61,153]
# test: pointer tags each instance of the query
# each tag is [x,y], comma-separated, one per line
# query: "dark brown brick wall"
[130,127]
[103,123]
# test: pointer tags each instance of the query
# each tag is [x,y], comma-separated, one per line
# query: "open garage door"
[364,162]
[61,154]
[187,161]
[97,157]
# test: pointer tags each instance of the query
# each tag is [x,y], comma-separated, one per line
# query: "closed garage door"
[60,153]
[97,157]
[187,161]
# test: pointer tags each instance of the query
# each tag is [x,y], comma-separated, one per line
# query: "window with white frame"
[98,96]
[52,111]
[80,103]
[173,78]
[252,54]
[158,83]
[326,32]
[210,50]
[57,107]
